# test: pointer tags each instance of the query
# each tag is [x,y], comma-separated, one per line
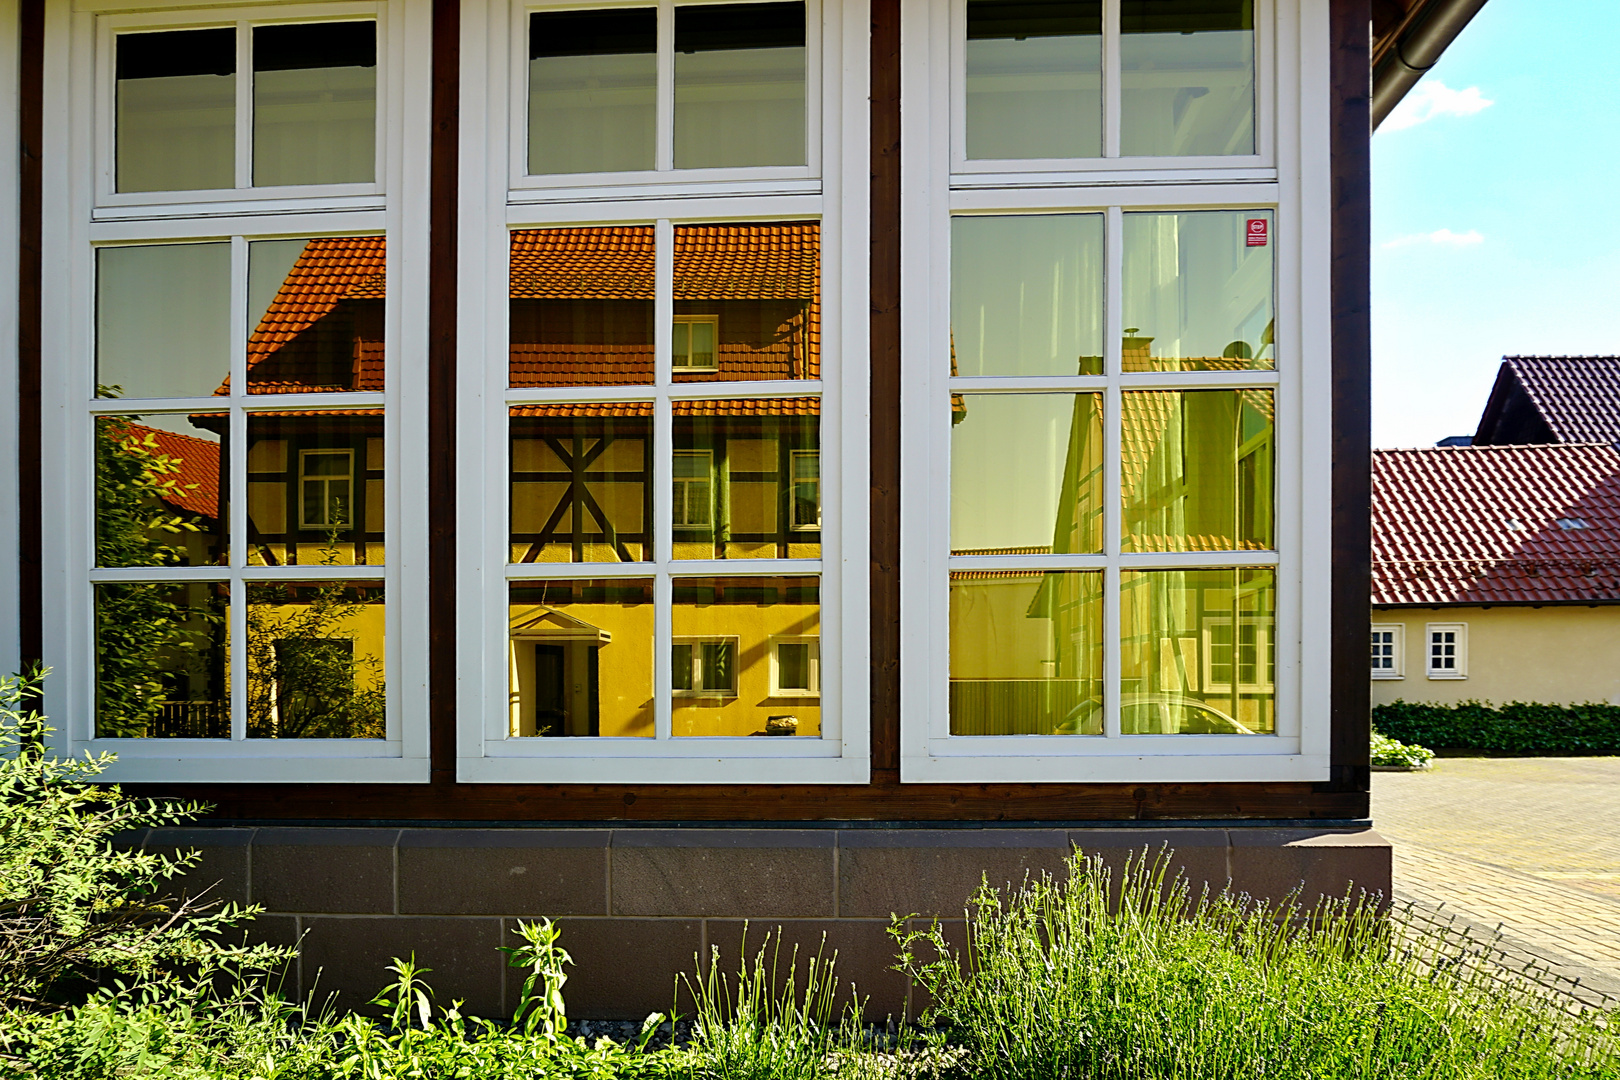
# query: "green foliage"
[1139,979]
[1387,751]
[1519,728]
[72,901]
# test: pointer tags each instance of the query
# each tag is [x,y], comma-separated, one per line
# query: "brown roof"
[1575,399]
[195,487]
[1496,524]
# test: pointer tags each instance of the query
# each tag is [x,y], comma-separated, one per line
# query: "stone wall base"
[639,905]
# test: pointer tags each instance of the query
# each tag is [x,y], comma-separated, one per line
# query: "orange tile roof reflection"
[195,487]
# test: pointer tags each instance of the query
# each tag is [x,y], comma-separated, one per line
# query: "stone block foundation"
[638,905]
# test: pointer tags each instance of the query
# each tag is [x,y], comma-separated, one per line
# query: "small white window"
[1447,650]
[696,343]
[325,489]
[1388,651]
[795,667]
[704,667]
[694,490]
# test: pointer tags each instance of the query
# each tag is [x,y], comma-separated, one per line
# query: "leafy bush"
[1518,728]
[1139,979]
[73,903]
[1387,751]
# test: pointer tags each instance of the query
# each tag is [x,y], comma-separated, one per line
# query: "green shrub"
[1518,728]
[1387,751]
[1140,980]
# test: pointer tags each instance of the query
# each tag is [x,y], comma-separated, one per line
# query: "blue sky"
[1496,227]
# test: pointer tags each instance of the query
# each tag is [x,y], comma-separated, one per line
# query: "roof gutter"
[1416,49]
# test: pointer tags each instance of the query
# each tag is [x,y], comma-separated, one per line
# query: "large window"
[234,393]
[1109,360]
[655,375]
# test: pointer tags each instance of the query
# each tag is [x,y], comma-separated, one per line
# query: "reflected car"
[1153,714]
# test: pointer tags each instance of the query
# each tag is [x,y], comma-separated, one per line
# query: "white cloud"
[1443,237]
[1432,98]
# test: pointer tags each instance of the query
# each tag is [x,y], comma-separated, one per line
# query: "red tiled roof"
[1496,524]
[196,480]
[1578,396]
[717,407]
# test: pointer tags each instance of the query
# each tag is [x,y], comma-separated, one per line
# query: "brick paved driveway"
[1530,843]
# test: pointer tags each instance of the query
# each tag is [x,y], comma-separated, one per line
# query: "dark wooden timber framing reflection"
[31,79]
[885,799]
[1351,276]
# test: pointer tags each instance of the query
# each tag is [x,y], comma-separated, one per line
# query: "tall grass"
[1140,979]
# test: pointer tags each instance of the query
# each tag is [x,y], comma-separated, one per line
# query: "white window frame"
[685,482]
[497,198]
[1397,647]
[356,487]
[244,197]
[1111,167]
[698,320]
[87,216]
[794,457]
[1460,670]
[824,23]
[777,690]
[1263,644]
[1292,178]
[697,666]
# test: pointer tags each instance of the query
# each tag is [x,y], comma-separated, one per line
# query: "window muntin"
[1034,81]
[1026,474]
[1027,295]
[1388,648]
[580,658]
[1180,653]
[593,90]
[1198,291]
[314,103]
[1446,650]
[722,669]
[176,110]
[1026,652]
[1196,470]
[740,95]
[1186,77]
[310,117]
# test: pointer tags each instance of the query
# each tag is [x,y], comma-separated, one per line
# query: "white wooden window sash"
[1290,177]
[496,197]
[88,217]
[1388,650]
[1445,650]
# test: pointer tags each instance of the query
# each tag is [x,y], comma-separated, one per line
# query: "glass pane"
[315,488]
[1026,652]
[1198,652]
[725,631]
[163,320]
[757,290]
[1196,470]
[1186,77]
[734,497]
[1026,474]
[158,491]
[176,126]
[315,660]
[1034,78]
[581,483]
[593,88]
[739,85]
[315,103]
[582,307]
[318,310]
[162,661]
[581,658]
[1027,295]
[1198,291]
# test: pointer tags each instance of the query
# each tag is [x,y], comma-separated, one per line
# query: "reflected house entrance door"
[557,657]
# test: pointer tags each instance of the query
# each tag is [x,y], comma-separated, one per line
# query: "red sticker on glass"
[1257,232]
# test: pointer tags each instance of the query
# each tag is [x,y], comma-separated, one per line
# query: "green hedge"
[1519,728]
